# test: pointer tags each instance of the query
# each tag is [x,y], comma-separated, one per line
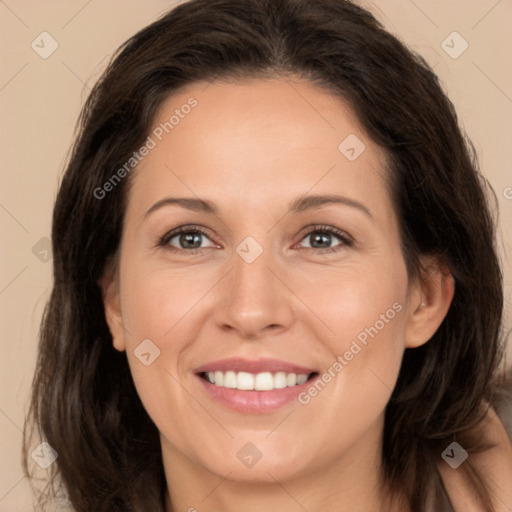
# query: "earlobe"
[429,304]
[109,285]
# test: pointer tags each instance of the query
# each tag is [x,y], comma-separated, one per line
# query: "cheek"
[368,342]
[156,303]
[352,392]
[357,301]
[365,312]
[158,309]
[167,308]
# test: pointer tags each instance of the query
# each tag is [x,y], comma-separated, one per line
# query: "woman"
[276,284]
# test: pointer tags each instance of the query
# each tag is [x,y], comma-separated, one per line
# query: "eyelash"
[344,238]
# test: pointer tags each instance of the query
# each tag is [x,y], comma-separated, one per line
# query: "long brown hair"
[84,402]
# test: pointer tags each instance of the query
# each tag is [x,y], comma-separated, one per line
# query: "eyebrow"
[189,203]
[317,201]
[299,205]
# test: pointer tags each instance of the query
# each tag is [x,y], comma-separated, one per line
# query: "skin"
[252,148]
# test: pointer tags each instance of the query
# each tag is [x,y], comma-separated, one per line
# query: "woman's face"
[297,271]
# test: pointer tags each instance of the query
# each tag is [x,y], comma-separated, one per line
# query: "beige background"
[40,101]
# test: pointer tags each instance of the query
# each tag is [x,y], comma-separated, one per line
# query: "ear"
[109,284]
[429,300]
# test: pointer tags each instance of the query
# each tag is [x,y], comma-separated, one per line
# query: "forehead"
[258,141]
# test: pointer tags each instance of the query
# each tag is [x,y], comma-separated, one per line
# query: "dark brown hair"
[84,401]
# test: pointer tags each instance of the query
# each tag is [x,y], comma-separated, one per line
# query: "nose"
[254,299]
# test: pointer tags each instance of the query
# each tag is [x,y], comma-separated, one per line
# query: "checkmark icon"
[454,455]
[146,352]
[249,249]
[249,455]
[454,45]
[351,147]
[44,45]
[44,455]
[42,250]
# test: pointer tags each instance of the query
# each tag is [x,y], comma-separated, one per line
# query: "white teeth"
[301,379]
[264,381]
[291,379]
[280,380]
[229,380]
[218,377]
[245,381]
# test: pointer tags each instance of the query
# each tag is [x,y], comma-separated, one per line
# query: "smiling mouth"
[264,381]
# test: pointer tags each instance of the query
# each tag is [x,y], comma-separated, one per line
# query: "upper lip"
[254,366]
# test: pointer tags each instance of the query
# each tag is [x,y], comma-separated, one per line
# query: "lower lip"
[255,402]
